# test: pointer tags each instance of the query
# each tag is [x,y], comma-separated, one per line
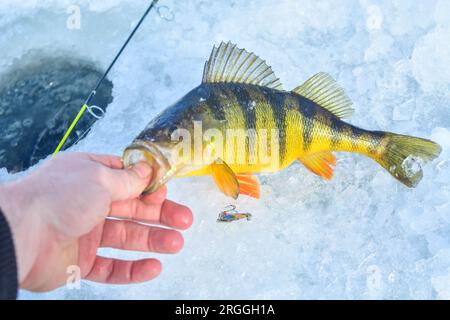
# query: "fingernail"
[143,170]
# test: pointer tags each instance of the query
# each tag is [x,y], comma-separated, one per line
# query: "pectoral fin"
[320,163]
[225,178]
[232,184]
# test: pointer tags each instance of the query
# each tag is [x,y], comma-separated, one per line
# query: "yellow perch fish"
[240,121]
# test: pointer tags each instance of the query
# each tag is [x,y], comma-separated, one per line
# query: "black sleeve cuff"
[8,268]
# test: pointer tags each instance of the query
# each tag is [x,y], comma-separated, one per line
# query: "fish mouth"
[144,151]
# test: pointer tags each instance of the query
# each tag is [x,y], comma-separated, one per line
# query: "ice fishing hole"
[39,98]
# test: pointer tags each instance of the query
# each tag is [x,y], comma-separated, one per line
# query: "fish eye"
[171,130]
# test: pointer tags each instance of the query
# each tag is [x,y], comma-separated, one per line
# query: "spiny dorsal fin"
[326,92]
[230,64]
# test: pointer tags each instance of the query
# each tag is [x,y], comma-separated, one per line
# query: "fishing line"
[93,109]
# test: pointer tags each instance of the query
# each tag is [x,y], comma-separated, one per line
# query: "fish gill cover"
[360,236]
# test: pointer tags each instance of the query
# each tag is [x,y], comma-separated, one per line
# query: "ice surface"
[363,235]
[412,166]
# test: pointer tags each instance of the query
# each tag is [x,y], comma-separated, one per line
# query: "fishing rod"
[94,92]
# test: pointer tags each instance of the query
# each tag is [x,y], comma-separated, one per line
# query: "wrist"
[24,226]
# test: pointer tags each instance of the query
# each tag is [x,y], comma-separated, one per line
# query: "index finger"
[113,162]
[166,212]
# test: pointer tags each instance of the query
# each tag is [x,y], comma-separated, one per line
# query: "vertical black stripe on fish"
[308,110]
[356,135]
[215,104]
[375,139]
[276,100]
[337,130]
[248,108]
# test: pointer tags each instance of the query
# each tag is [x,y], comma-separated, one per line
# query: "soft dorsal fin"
[326,92]
[321,163]
[230,64]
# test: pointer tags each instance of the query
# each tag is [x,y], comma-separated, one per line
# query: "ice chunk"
[430,60]
[404,111]
[442,285]
[412,165]
[374,18]
[442,136]
[442,13]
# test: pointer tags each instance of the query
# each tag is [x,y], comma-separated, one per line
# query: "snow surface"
[363,235]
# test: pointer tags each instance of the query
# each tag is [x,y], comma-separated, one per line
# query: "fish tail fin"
[403,157]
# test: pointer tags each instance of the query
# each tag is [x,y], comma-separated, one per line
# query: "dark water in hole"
[38,102]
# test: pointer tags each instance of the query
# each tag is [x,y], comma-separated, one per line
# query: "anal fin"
[321,163]
[248,185]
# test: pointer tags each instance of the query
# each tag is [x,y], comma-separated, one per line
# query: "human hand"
[60,215]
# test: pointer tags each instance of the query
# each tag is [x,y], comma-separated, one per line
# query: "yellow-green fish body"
[248,124]
[304,127]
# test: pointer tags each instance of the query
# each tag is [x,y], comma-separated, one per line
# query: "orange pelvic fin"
[248,185]
[321,163]
[225,178]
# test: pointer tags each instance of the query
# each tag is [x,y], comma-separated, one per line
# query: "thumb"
[129,183]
